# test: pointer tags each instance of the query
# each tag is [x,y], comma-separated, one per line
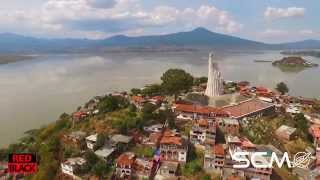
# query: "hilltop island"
[293,64]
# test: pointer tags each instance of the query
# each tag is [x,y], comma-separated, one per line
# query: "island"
[293,64]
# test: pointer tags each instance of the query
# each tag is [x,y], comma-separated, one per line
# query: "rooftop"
[198,109]
[286,130]
[75,161]
[119,138]
[169,165]
[126,159]
[315,131]
[104,152]
[246,107]
[231,121]
[92,137]
[219,149]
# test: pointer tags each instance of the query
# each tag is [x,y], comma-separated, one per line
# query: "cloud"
[281,35]
[274,33]
[101,18]
[101,3]
[278,13]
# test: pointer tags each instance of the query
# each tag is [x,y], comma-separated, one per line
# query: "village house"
[229,173]
[153,128]
[78,116]
[315,133]
[192,111]
[156,100]
[167,170]
[203,132]
[285,133]
[292,109]
[249,109]
[173,147]
[124,165]
[75,139]
[229,125]
[72,166]
[91,141]
[152,140]
[258,173]
[138,101]
[121,140]
[143,168]
[214,158]
[106,153]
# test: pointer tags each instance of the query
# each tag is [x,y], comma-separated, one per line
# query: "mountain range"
[197,38]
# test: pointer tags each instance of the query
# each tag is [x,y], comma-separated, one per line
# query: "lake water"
[35,92]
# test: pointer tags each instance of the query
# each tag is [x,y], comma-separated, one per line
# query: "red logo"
[22,163]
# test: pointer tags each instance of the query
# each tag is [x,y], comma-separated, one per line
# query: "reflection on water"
[34,93]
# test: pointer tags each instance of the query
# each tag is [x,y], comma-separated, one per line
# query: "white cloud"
[100,18]
[274,33]
[278,13]
[280,35]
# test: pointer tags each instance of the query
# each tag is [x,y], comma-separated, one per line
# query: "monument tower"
[215,81]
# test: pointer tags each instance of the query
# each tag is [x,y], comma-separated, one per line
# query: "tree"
[100,169]
[282,88]
[147,111]
[200,80]
[101,139]
[301,122]
[91,158]
[175,81]
[136,91]
[152,90]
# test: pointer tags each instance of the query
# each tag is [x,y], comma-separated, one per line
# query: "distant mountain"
[200,37]
[197,37]
[305,44]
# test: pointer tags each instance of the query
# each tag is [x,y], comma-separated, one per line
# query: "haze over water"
[34,93]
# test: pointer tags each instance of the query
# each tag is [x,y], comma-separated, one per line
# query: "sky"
[270,21]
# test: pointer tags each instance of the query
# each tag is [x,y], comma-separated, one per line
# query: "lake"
[35,92]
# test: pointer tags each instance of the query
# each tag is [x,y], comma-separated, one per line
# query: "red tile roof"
[218,149]
[138,99]
[315,131]
[246,107]
[199,109]
[170,138]
[203,122]
[233,178]
[125,159]
[79,114]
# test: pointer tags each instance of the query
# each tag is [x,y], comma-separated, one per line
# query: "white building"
[71,165]
[91,141]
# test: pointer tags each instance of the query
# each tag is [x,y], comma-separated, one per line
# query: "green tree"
[147,111]
[175,81]
[282,88]
[301,123]
[101,139]
[91,158]
[112,103]
[136,91]
[100,169]
[152,90]
[200,80]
